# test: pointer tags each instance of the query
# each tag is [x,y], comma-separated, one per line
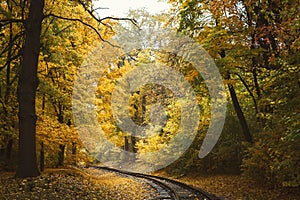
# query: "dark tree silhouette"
[28,82]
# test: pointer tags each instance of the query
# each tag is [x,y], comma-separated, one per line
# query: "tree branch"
[20,34]
[100,20]
[248,89]
[10,60]
[4,22]
[78,20]
[47,28]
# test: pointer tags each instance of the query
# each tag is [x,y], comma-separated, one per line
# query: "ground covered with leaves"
[92,184]
[236,187]
[73,184]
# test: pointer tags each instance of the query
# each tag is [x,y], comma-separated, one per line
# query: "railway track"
[167,188]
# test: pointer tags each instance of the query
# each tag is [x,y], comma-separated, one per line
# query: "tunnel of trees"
[255,45]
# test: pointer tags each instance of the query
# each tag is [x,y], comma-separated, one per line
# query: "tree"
[31,15]
[10,39]
[142,108]
[257,43]
[28,82]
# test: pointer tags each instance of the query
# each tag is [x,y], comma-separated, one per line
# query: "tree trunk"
[28,82]
[133,141]
[8,92]
[239,112]
[237,106]
[126,143]
[61,155]
[8,160]
[74,153]
[9,150]
[42,157]
[9,56]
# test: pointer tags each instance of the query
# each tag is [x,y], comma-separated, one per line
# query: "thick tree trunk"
[28,82]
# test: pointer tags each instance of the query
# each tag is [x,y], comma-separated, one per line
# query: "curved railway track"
[167,188]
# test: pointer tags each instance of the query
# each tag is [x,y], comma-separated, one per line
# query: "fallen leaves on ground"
[235,187]
[65,184]
[123,186]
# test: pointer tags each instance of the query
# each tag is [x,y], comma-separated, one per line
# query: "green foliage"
[245,39]
[225,158]
[275,154]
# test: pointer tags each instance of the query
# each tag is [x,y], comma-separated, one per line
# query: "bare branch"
[120,19]
[89,11]
[100,20]
[100,8]
[3,22]
[82,22]
[76,20]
